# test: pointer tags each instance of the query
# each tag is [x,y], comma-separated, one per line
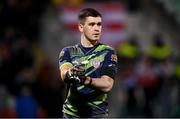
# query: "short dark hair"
[86,12]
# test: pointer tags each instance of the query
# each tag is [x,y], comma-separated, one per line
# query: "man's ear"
[80,26]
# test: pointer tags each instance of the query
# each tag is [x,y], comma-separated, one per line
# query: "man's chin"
[94,40]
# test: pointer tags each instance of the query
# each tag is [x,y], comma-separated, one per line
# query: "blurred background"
[145,34]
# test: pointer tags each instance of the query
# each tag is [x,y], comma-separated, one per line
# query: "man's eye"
[99,24]
[92,24]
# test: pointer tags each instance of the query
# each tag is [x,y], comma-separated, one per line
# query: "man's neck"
[86,43]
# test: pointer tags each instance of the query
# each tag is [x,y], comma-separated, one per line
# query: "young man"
[89,69]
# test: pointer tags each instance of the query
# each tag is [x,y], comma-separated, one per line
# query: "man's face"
[91,28]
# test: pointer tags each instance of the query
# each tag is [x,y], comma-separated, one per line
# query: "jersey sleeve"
[109,67]
[64,57]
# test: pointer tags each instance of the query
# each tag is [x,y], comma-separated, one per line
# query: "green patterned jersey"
[98,60]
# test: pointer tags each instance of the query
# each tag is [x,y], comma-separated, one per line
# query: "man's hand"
[88,81]
[75,74]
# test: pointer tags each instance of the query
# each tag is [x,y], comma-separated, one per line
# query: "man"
[89,69]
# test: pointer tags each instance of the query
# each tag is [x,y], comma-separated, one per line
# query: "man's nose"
[96,28]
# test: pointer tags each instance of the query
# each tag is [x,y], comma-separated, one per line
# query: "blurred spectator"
[6,71]
[159,50]
[165,76]
[149,83]
[9,110]
[25,75]
[160,54]
[26,105]
[129,82]
[7,104]
[22,54]
[129,51]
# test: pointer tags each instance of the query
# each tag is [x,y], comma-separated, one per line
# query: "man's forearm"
[105,83]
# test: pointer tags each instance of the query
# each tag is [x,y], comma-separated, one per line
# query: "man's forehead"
[93,19]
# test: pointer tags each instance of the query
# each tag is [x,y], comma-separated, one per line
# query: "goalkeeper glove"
[75,74]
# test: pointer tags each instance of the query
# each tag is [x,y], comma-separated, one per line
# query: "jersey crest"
[96,63]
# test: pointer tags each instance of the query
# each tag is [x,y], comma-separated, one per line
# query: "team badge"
[114,57]
[96,63]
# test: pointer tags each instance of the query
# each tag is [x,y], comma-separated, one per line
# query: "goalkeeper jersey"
[81,100]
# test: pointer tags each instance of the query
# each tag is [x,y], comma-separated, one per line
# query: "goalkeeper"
[89,69]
